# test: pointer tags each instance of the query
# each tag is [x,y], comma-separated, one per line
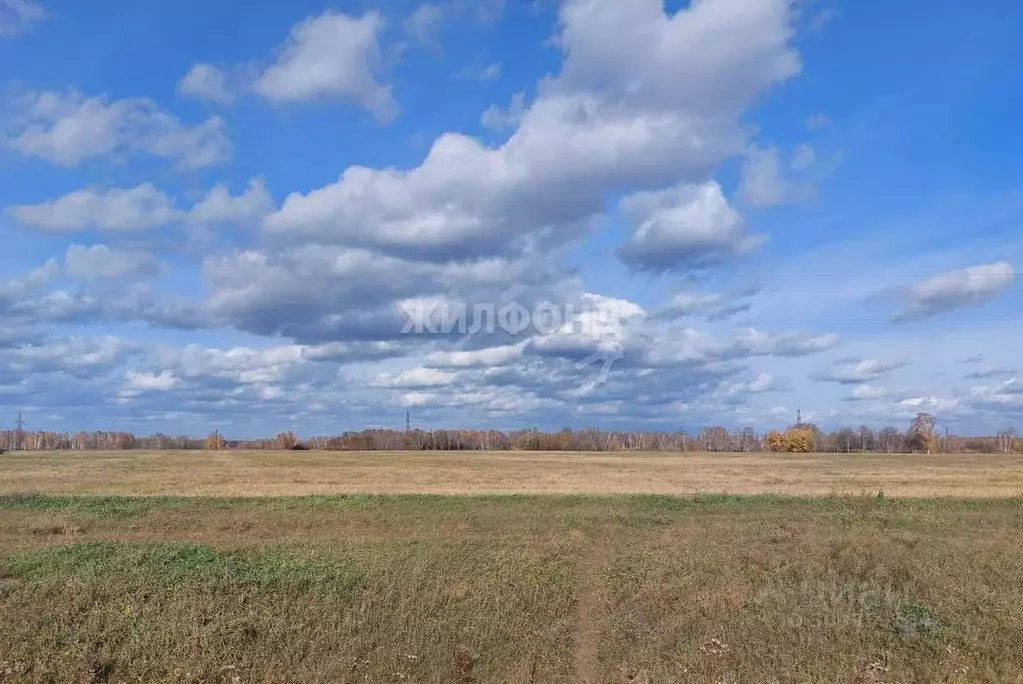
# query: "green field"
[421,588]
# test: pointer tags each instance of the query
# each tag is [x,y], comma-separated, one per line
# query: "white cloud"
[786,344]
[688,226]
[32,280]
[137,383]
[138,208]
[142,207]
[100,261]
[489,357]
[490,72]
[417,378]
[867,392]
[424,23]
[957,289]
[678,62]
[17,16]
[643,100]
[853,371]
[761,384]
[206,82]
[332,55]
[68,128]
[763,183]
[713,306]
[803,157]
[73,355]
[646,106]
[500,119]
[219,206]
[238,364]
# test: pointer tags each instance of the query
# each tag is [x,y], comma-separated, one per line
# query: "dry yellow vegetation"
[610,568]
[280,473]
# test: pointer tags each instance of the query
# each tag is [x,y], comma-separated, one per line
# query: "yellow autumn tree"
[214,442]
[798,439]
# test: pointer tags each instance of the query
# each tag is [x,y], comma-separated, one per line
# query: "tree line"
[920,436]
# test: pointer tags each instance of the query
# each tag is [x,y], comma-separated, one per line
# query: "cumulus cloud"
[684,227]
[955,290]
[77,356]
[866,392]
[17,16]
[645,107]
[333,55]
[37,277]
[220,206]
[100,261]
[141,208]
[136,383]
[417,378]
[644,99]
[489,357]
[138,208]
[67,128]
[206,82]
[499,119]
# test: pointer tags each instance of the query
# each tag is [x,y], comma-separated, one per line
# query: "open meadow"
[280,473]
[614,568]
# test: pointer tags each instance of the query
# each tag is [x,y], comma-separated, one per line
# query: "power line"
[19,429]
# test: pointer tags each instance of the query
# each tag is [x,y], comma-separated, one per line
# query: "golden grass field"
[269,473]
[597,568]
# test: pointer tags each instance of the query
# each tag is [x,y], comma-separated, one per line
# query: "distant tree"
[890,440]
[798,439]
[866,440]
[747,440]
[285,440]
[715,439]
[1006,440]
[923,433]
[845,440]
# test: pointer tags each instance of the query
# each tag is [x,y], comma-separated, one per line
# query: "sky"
[319,216]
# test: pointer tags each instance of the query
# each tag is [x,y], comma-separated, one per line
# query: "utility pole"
[20,426]
[408,430]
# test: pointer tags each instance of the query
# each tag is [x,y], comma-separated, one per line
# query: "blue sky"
[219,214]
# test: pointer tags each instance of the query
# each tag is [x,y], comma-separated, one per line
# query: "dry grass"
[217,577]
[622,589]
[239,473]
